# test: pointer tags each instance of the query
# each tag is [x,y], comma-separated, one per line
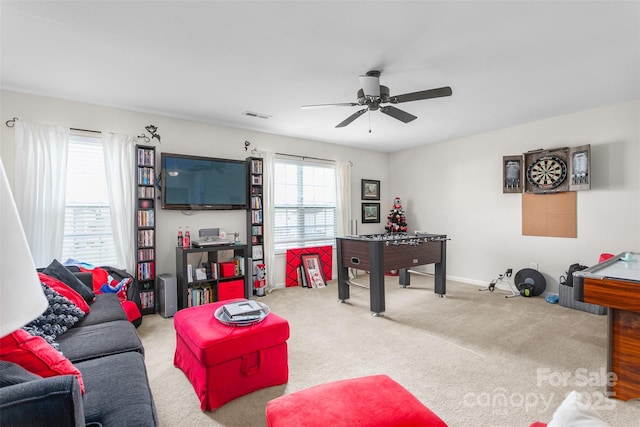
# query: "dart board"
[547,172]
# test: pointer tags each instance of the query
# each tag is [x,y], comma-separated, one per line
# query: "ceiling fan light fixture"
[370,86]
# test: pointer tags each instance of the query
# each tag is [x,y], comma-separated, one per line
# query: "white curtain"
[267,218]
[119,159]
[40,182]
[343,198]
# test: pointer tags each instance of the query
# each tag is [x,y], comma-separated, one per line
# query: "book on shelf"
[256,216]
[146,270]
[199,296]
[256,166]
[146,157]
[256,202]
[145,176]
[146,192]
[146,218]
[147,299]
[145,254]
[239,262]
[145,237]
[214,270]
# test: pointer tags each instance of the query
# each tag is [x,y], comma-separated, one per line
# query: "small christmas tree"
[396,221]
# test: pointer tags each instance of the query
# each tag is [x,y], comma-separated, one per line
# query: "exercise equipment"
[530,282]
[503,278]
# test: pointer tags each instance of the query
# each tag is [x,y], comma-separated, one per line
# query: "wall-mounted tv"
[193,182]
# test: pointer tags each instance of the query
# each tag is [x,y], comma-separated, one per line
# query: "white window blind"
[305,204]
[88,236]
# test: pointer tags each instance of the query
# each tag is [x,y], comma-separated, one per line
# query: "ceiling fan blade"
[423,94]
[351,118]
[397,113]
[342,104]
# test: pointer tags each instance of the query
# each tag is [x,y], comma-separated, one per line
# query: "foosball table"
[380,253]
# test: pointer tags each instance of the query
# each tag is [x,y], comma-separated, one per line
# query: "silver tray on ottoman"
[248,321]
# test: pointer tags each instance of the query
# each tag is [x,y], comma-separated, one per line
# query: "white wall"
[455,187]
[188,137]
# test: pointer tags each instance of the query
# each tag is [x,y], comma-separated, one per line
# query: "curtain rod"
[310,158]
[11,122]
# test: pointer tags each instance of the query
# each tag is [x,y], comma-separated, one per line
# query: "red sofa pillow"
[36,356]
[66,291]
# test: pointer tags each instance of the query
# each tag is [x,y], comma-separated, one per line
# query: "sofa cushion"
[36,356]
[66,291]
[53,401]
[118,391]
[60,315]
[12,374]
[102,339]
[62,273]
[105,308]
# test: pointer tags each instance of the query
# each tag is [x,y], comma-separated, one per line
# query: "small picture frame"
[370,189]
[370,212]
[512,174]
[313,270]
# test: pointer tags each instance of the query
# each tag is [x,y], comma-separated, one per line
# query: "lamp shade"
[21,296]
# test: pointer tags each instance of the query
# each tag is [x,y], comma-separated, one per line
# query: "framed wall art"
[370,189]
[370,213]
[313,270]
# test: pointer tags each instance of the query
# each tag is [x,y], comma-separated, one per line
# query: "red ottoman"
[225,362]
[374,401]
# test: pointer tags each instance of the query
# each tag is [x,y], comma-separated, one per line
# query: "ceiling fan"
[373,94]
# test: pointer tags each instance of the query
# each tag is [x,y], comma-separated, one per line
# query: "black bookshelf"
[221,275]
[145,230]
[255,216]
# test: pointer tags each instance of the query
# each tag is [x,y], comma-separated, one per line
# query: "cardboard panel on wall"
[549,215]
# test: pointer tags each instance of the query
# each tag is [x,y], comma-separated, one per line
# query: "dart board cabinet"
[557,170]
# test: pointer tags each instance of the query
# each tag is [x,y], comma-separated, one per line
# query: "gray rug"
[474,358]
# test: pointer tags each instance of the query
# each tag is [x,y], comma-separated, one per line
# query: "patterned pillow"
[60,315]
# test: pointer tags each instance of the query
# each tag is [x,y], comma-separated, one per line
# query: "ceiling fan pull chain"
[369,121]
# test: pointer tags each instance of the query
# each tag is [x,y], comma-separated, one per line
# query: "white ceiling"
[507,62]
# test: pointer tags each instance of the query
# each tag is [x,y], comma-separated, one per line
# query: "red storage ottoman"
[230,289]
[373,401]
[225,362]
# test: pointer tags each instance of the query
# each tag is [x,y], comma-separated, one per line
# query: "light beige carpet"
[475,358]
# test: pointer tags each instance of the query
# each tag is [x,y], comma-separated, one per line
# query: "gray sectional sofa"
[104,346]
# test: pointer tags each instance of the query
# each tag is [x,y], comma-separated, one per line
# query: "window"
[305,204]
[88,235]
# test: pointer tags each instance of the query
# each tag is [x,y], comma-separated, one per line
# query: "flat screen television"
[193,182]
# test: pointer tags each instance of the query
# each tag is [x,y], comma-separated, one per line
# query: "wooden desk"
[615,284]
[380,253]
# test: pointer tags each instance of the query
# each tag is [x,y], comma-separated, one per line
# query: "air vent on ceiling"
[258,115]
